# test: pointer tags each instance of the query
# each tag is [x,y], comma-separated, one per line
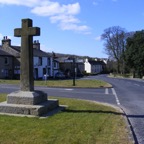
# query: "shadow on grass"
[103,112]
[93,111]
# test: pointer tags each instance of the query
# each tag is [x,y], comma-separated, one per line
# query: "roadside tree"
[115,42]
[135,53]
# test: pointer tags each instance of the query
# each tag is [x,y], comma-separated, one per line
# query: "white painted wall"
[39,67]
[87,66]
[45,64]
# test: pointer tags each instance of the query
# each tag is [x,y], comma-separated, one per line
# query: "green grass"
[121,75]
[83,122]
[64,83]
[5,81]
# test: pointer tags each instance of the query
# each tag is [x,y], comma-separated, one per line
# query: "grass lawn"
[83,122]
[64,83]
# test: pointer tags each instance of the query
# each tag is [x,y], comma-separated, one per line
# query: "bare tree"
[115,42]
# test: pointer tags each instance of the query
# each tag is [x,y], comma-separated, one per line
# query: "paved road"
[130,97]
[127,94]
[101,95]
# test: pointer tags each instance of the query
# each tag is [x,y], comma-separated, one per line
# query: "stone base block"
[35,110]
[26,98]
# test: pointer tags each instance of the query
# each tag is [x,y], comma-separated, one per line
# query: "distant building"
[80,66]
[69,64]
[46,63]
[94,66]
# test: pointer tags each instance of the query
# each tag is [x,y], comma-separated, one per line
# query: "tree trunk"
[118,66]
[133,73]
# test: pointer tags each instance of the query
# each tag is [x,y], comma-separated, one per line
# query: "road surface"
[129,94]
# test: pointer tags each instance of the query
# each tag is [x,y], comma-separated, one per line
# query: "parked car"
[59,75]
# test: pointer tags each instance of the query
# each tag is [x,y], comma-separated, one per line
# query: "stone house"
[43,62]
[92,66]
[6,64]
[68,66]
[14,61]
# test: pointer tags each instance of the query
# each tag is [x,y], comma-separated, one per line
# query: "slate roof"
[36,52]
[39,53]
[17,48]
[62,59]
[93,62]
[3,53]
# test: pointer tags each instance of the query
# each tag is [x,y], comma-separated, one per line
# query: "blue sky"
[71,26]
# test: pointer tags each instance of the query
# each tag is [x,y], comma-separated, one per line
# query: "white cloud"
[98,38]
[54,8]
[64,19]
[75,27]
[29,3]
[33,3]
[63,15]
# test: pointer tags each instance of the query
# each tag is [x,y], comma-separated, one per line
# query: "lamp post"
[74,69]
[53,57]
[46,75]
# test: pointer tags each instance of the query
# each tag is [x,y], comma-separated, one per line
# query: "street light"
[74,70]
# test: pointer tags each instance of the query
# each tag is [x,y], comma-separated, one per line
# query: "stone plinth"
[28,103]
[26,97]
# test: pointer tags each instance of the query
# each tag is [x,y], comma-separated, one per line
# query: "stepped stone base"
[28,103]
[27,98]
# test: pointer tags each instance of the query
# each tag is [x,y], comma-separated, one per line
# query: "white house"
[87,66]
[44,63]
[94,66]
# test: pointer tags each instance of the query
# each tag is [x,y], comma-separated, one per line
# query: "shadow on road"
[135,116]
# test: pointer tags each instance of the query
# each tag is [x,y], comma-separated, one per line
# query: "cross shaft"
[26,69]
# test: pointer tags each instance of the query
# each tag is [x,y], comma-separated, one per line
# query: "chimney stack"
[6,42]
[36,44]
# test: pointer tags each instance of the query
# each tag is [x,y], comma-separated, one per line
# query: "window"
[40,61]
[48,61]
[6,73]
[44,71]
[6,60]
[55,64]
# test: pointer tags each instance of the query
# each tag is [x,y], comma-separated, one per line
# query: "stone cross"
[26,69]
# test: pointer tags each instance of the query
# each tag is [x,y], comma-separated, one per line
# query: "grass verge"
[64,83]
[83,122]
